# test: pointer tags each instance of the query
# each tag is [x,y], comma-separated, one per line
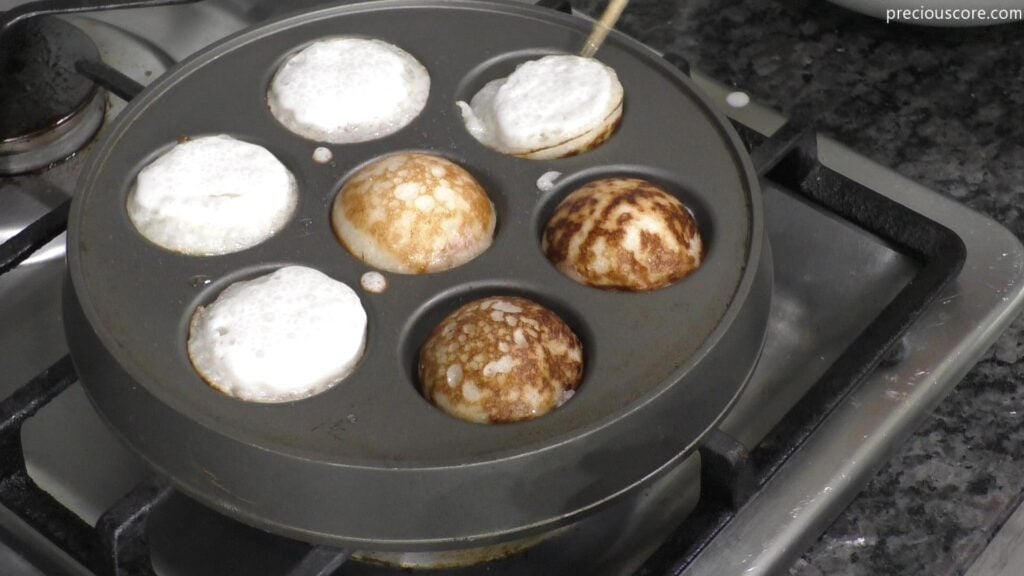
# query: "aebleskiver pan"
[370,464]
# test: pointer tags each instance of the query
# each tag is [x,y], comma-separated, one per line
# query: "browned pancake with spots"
[414,214]
[625,234]
[500,359]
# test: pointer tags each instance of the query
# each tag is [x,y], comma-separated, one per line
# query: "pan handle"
[47,7]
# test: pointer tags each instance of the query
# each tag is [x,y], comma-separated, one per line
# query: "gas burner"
[48,111]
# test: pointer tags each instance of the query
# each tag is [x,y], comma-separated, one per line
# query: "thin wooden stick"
[603,26]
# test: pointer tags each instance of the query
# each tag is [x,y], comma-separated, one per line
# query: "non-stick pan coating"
[370,463]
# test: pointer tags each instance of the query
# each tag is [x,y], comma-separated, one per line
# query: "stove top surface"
[831,280]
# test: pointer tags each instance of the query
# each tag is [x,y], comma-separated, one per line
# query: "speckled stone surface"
[946,108]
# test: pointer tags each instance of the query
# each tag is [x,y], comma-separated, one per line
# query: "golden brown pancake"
[500,359]
[413,214]
[625,234]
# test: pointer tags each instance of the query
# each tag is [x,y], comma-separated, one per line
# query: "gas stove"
[885,293]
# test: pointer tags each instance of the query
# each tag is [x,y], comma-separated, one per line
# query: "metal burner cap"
[47,109]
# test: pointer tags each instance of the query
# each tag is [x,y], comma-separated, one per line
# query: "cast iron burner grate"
[731,476]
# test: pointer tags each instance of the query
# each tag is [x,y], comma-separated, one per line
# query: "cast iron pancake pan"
[369,463]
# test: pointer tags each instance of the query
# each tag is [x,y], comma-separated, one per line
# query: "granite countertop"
[944,107]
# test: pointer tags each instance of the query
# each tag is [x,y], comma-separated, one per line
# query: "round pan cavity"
[369,463]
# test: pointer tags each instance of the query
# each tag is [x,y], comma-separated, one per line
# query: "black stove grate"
[18,491]
[731,475]
[118,545]
[19,247]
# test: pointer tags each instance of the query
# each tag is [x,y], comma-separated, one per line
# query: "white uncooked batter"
[212,195]
[737,99]
[345,90]
[373,282]
[322,155]
[280,337]
[544,103]
[547,180]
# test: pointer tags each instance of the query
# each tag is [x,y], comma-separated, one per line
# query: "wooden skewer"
[603,26]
